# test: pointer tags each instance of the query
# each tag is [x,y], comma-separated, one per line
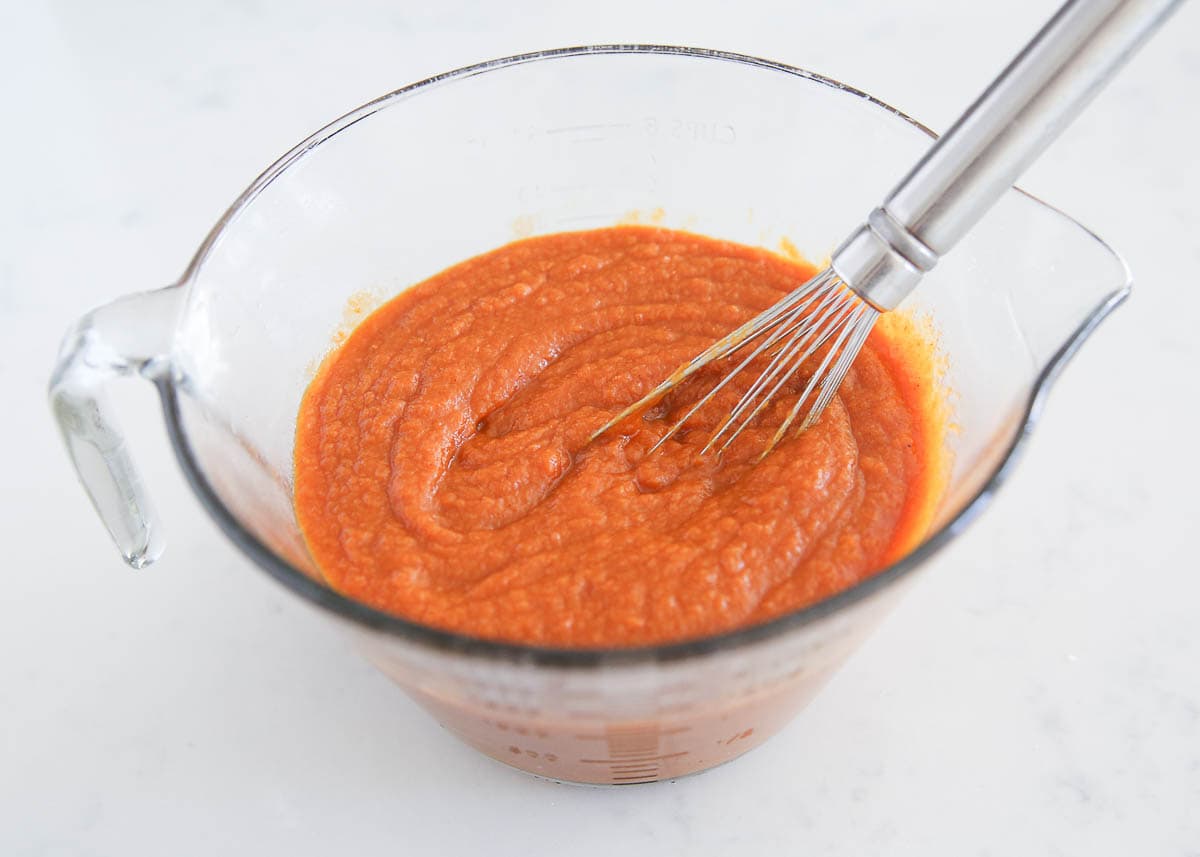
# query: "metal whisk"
[957,181]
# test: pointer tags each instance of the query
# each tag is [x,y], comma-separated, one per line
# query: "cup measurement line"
[606,126]
[646,759]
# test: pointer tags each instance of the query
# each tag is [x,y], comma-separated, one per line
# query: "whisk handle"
[971,166]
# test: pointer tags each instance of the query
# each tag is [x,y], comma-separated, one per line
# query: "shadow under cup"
[724,145]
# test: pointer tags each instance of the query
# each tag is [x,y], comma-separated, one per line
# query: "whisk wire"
[809,337]
[823,311]
[829,387]
[793,323]
[850,327]
[764,323]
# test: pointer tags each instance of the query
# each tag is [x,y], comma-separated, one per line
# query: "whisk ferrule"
[882,261]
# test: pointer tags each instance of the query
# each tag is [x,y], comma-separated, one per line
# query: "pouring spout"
[1011,305]
[1036,280]
[1067,280]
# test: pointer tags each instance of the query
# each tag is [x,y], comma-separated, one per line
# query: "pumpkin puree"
[444,472]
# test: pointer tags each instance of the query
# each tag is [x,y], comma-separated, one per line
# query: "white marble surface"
[1038,693]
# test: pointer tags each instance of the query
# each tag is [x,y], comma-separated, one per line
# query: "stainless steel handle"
[966,171]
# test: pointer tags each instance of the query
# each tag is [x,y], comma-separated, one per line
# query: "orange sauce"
[444,470]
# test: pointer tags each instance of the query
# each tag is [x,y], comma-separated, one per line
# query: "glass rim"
[452,642]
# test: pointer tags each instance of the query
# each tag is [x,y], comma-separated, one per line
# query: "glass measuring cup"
[726,145]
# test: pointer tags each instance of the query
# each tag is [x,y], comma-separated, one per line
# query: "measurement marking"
[656,730]
[567,129]
[631,780]
[645,759]
[589,218]
[677,708]
[620,732]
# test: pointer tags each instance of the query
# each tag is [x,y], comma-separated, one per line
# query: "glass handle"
[130,335]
